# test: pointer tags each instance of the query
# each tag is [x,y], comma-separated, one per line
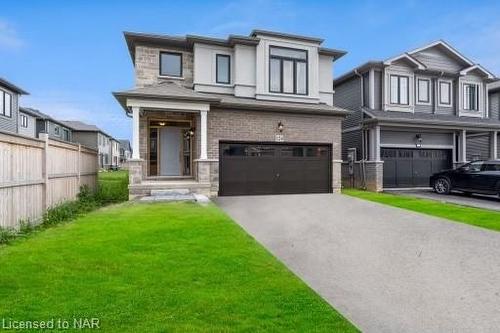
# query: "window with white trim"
[423,91]
[470,96]
[400,89]
[23,120]
[5,104]
[445,93]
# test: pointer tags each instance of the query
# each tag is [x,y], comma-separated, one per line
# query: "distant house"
[125,150]
[27,122]
[46,124]
[9,106]
[93,137]
[115,152]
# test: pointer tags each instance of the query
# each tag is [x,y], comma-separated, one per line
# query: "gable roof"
[124,143]
[407,57]
[447,47]
[40,115]
[12,87]
[488,74]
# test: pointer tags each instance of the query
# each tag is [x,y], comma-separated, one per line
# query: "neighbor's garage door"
[254,168]
[413,167]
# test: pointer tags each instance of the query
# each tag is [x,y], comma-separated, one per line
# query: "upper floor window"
[445,92]
[424,91]
[5,104]
[223,68]
[23,120]
[471,97]
[288,71]
[171,64]
[400,89]
[57,130]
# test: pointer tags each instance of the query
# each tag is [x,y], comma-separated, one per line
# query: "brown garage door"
[247,168]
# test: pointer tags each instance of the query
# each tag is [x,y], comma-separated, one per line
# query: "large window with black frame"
[288,71]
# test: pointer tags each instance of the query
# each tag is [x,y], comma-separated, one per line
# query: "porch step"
[177,191]
[170,197]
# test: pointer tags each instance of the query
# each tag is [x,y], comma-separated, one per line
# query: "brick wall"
[147,65]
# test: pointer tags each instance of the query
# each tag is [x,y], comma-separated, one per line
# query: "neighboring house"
[243,115]
[125,150]
[9,106]
[415,114]
[93,137]
[46,124]
[27,122]
[494,104]
[115,152]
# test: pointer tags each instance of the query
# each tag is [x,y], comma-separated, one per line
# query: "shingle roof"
[80,126]
[13,87]
[171,90]
[429,118]
[124,143]
[40,115]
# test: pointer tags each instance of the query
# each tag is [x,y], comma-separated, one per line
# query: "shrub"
[6,235]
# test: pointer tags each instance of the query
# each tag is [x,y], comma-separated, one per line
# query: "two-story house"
[125,150]
[43,123]
[415,114]
[242,115]
[93,137]
[115,152]
[9,106]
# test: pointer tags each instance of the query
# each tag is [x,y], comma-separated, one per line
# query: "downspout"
[363,147]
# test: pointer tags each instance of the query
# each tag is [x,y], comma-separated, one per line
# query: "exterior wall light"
[418,140]
[280,127]
[189,133]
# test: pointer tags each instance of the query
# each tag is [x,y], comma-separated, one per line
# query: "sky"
[70,55]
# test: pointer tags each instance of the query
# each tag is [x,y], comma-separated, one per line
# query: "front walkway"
[385,269]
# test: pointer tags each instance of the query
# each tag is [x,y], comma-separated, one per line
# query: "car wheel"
[442,186]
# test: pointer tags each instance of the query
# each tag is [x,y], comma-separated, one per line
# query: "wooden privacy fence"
[36,174]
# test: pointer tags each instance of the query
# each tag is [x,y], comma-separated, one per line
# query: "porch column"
[135,133]
[463,146]
[494,145]
[375,144]
[203,132]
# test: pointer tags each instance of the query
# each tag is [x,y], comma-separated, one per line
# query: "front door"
[170,151]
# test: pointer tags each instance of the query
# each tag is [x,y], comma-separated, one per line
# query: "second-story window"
[424,91]
[5,104]
[400,90]
[445,93]
[23,120]
[223,68]
[171,64]
[57,130]
[471,97]
[288,71]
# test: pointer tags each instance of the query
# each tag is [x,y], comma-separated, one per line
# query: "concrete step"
[170,197]
[177,191]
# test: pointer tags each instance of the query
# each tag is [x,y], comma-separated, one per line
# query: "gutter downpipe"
[363,148]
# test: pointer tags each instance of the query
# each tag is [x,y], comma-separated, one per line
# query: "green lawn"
[474,216]
[158,268]
[113,186]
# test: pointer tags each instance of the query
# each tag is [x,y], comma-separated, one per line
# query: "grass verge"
[177,267]
[474,216]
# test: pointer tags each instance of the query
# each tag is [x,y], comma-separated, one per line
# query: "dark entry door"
[247,168]
[413,167]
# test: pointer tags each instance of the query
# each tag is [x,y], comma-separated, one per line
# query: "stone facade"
[147,66]
[372,179]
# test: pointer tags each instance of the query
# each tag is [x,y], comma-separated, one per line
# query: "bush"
[6,235]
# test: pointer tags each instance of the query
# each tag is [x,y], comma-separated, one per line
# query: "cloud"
[9,39]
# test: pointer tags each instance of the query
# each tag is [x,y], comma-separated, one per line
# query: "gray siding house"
[9,106]
[415,114]
[27,122]
[46,124]
[125,150]
[93,137]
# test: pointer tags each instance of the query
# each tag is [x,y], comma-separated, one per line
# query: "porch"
[169,147]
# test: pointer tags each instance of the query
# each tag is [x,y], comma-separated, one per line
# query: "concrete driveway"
[385,269]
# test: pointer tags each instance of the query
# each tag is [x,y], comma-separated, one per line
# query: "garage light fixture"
[418,140]
[280,126]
